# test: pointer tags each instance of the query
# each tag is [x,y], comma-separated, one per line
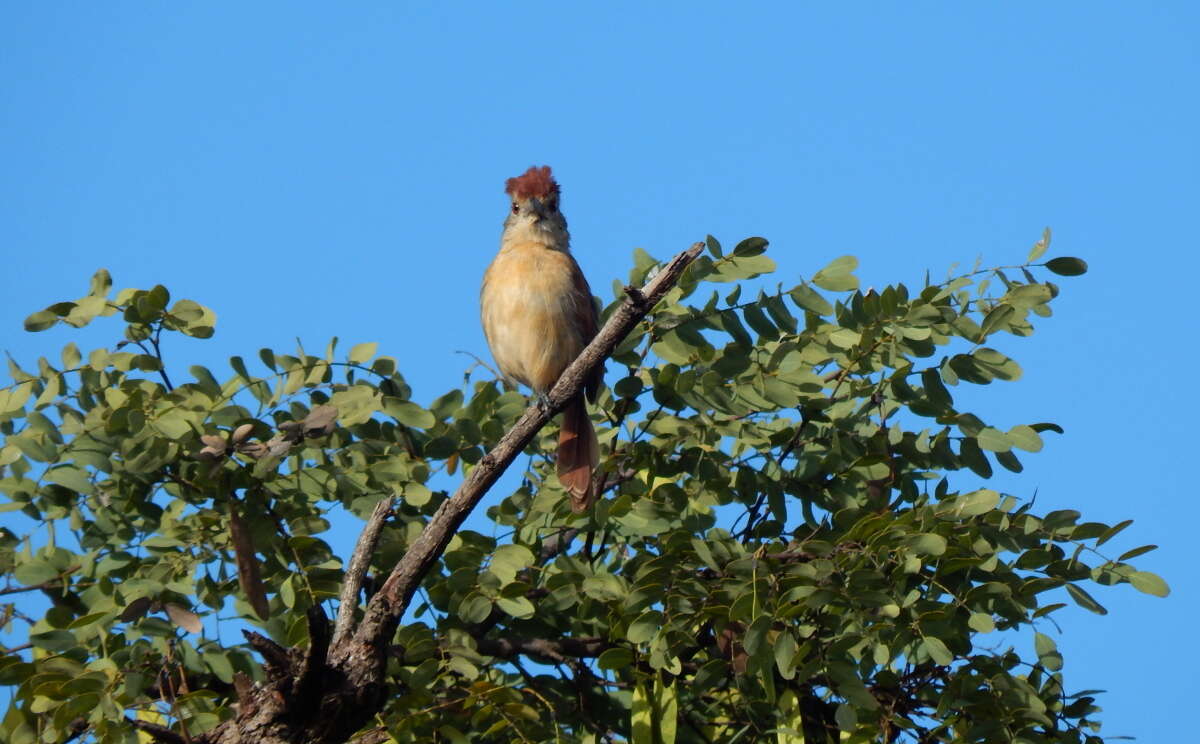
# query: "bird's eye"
[516,208]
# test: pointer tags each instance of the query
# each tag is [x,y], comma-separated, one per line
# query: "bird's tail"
[578,454]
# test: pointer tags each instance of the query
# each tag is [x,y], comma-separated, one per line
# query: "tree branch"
[312,668]
[556,650]
[277,662]
[56,583]
[556,543]
[389,604]
[357,568]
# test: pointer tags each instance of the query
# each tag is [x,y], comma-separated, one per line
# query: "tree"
[784,549]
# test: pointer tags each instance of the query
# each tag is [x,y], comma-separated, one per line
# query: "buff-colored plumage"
[538,315]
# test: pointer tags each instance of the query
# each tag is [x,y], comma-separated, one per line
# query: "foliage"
[790,544]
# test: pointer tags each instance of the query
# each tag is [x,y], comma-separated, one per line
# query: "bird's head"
[533,211]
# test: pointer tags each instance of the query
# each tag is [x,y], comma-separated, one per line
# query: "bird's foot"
[543,401]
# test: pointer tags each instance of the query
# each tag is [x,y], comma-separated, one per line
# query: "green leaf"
[1112,532]
[360,353]
[72,477]
[219,664]
[101,283]
[756,634]
[1136,552]
[750,247]
[614,659]
[850,685]
[641,717]
[605,587]
[408,413]
[973,457]
[35,571]
[474,608]
[846,717]
[1025,437]
[998,316]
[54,641]
[1149,583]
[71,356]
[935,389]
[15,397]
[1039,247]
[519,607]
[927,543]
[644,627]
[1047,652]
[417,494]
[838,276]
[937,650]
[40,321]
[628,387]
[785,654]
[970,505]
[85,311]
[995,364]
[993,440]
[1067,266]
[981,622]
[780,315]
[844,338]
[1026,296]
[508,560]
[666,709]
[674,348]
[808,299]
[173,424]
[1085,600]
[757,319]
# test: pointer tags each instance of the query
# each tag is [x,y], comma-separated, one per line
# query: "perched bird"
[538,315]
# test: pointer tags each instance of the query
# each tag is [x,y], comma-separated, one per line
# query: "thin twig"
[554,544]
[51,584]
[356,570]
[555,650]
[480,363]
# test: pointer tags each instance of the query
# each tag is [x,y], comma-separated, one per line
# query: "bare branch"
[276,661]
[556,650]
[389,604]
[554,544]
[312,668]
[55,583]
[357,568]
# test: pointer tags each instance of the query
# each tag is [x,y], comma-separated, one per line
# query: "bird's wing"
[587,320]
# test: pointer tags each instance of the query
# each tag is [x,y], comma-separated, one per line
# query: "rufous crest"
[533,183]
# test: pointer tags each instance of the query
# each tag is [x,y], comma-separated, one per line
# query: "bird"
[538,315]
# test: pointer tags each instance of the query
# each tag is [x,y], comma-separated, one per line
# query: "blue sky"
[311,169]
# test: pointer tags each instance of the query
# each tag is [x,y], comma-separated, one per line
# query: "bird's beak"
[539,210]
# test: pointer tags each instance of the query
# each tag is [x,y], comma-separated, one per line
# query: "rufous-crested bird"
[538,315]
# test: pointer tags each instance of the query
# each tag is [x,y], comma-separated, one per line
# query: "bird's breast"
[528,304]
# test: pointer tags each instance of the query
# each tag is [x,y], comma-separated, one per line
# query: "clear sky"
[318,169]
